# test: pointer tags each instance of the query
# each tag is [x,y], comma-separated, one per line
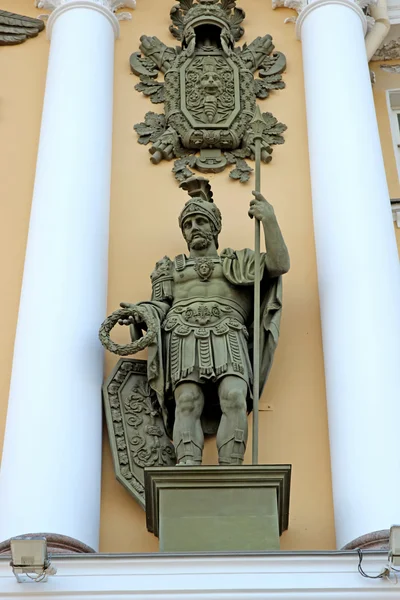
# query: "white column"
[358,269]
[51,466]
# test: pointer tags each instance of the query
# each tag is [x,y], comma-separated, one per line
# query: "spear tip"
[257,115]
[258,123]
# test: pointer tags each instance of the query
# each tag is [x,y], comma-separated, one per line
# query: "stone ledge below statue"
[214,508]
[56,544]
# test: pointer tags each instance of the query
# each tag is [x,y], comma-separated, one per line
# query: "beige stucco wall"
[22,80]
[143,227]
[387,81]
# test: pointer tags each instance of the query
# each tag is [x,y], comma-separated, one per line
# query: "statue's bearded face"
[198,232]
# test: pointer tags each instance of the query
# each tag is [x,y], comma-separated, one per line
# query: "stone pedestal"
[237,508]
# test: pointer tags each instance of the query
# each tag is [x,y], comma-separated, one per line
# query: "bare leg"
[233,428]
[188,435]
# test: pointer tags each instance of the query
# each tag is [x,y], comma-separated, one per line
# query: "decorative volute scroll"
[16,29]
[106,7]
[296,5]
[111,5]
[299,5]
[209,90]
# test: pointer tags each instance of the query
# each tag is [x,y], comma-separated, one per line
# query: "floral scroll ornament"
[147,445]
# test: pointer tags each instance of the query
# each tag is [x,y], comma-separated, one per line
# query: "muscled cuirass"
[197,279]
[205,327]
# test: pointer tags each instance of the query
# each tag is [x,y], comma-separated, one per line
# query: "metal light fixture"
[394,546]
[30,561]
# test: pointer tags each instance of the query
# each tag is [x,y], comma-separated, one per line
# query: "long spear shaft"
[258,127]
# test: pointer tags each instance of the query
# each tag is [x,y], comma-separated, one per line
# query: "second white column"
[358,269]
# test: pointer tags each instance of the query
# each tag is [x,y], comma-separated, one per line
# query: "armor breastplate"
[198,280]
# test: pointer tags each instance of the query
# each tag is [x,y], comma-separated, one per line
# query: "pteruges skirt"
[205,341]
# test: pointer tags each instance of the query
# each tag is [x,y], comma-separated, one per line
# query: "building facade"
[102,215]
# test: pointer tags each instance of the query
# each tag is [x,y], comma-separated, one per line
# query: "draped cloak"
[238,269]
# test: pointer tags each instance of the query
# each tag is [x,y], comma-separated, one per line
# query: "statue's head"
[200,220]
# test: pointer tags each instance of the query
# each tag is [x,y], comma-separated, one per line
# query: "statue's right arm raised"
[277,256]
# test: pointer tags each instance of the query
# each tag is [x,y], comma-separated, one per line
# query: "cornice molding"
[214,576]
[107,7]
[393,7]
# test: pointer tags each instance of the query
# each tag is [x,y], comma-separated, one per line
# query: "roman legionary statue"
[200,326]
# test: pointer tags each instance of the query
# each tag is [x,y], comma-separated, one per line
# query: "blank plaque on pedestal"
[212,508]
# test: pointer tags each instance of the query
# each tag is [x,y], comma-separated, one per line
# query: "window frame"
[393,105]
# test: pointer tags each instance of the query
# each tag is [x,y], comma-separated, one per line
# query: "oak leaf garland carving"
[209,91]
[151,129]
[151,88]
[16,29]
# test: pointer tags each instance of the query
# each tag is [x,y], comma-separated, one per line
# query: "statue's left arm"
[276,258]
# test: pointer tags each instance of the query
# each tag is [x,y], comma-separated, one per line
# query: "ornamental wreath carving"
[209,90]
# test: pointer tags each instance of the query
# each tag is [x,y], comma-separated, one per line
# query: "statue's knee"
[233,400]
[187,403]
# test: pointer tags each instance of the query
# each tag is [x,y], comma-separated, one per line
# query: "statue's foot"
[187,463]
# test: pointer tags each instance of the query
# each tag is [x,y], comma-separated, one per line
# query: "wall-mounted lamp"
[394,545]
[30,561]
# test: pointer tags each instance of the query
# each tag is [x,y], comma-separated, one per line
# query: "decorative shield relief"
[209,91]
[210,94]
[135,426]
